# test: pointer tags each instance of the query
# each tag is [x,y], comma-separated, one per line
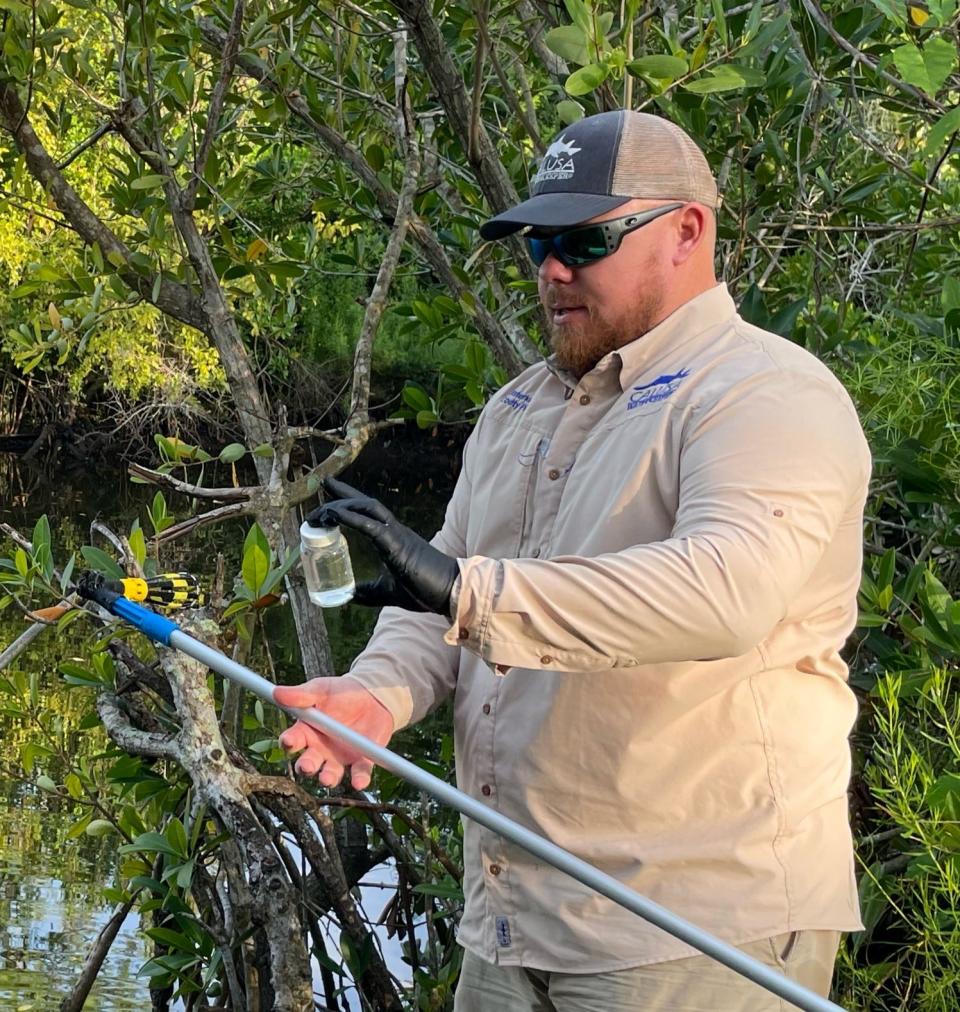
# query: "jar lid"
[318,537]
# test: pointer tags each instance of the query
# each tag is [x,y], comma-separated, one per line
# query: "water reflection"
[51,888]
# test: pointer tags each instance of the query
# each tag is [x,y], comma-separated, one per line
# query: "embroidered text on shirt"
[503,932]
[659,390]
[517,399]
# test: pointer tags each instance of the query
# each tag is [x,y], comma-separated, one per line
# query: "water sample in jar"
[326,565]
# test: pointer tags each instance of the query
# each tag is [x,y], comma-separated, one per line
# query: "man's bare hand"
[324,756]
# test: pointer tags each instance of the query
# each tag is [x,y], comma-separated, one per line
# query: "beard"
[579,346]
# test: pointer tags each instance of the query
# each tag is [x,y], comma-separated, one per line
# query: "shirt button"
[553,474]
[495,869]
[463,633]
[584,398]
[546,659]
[486,707]
[486,790]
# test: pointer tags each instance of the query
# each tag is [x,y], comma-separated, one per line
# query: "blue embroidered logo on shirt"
[503,932]
[659,390]
[517,399]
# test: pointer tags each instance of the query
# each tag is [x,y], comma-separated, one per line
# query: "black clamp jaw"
[95,587]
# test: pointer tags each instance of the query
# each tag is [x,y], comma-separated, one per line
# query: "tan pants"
[697,984]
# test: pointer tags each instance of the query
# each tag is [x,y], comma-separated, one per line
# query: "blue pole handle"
[148,622]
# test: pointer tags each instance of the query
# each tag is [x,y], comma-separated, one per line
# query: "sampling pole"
[164,631]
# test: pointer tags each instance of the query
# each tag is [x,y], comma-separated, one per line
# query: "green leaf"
[584,80]
[146,183]
[152,843]
[256,559]
[720,20]
[659,66]
[944,796]
[46,784]
[100,827]
[579,14]
[232,452]
[41,535]
[926,69]
[947,124]
[873,901]
[159,517]
[569,111]
[888,567]
[447,890]
[138,545]
[277,575]
[569,43]
[101,562]
[895,10]
[950,296]
[264,745]
[79,828]
[76,674]
[723,78]
[263,450]
[415,398]
[177,836]
[171,939]
[185,875]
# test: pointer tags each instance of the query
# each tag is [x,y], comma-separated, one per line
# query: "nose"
[552,271]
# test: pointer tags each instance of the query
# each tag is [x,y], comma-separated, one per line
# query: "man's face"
[593,309]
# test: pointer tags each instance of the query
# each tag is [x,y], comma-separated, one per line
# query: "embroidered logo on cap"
[557,162]
[503,932]
[659,390]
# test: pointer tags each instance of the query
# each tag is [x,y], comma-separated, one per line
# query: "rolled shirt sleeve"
[763,490]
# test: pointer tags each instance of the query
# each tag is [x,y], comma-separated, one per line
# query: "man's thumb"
[298,695]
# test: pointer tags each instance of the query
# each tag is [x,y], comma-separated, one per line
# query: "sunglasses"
[575,247]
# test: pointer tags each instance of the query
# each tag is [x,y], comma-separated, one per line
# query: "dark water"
[52,884]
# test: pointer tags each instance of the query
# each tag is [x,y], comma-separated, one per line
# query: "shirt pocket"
[529,460]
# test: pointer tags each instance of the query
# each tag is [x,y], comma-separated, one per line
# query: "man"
[637,599]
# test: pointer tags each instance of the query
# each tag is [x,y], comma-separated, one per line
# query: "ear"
[693,227]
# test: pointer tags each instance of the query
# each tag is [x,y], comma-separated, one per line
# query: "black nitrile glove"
[418,577]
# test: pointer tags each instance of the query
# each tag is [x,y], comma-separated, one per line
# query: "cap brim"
[551,210]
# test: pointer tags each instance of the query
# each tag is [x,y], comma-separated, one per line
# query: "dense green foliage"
[832,131]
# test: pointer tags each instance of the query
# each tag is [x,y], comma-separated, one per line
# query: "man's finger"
[311,761]
[385,592]
[365,506]
[360,774]
[331,774]
[347,517]
[376,593]
[295,737]
[341,490]
[298,695]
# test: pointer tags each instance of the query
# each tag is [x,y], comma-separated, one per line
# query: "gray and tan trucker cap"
[601,162]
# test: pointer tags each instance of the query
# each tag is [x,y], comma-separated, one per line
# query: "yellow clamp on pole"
[134,589]
[168,591]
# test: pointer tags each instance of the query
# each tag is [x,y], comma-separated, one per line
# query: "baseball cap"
[601,162]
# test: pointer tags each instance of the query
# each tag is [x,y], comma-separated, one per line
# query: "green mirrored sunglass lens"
[583,246]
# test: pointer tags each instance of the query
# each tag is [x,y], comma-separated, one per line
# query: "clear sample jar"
[326,565]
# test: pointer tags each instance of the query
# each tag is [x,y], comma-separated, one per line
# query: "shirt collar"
[703,312]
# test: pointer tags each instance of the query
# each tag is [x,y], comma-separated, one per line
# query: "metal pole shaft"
[558,857]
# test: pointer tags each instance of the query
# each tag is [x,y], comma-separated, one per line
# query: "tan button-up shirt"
[659,566]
